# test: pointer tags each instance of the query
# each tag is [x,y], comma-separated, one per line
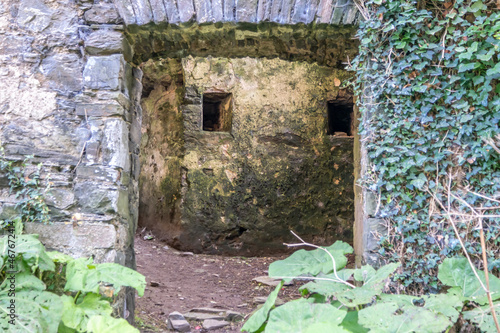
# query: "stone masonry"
[69,95]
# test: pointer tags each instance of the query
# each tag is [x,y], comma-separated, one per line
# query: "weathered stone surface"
[374,228]
[246,11]
[159,11]
[60,198]
[143,11]
[126,11]
[115,144]
[186,10]
[34,15]
[338,11]
[304,11]
[326,45]
[177,322]
[104,42]
[172,11]
[211,324]
[231,178]
[203,11]
[104,72]
[264,10]
[92,198]
[218,10]
[229,6]
[234,316]
[100,110]
[98,173]
[79,238]
[325,9]
[286,11]
[203,316]
[63,71]
[102,13]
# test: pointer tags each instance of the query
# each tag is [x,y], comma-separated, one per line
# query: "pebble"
[211,324]
[177,322]
[154,284]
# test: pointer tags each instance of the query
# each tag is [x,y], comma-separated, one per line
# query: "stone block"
[63,71]
[370,203]
[104,72]
[229,10]
[172,11]
[98,173]
[60,198]
[203,11]
[102,13]
[100,110]
[264,10]
[115,145]
[186,10]
[126,11]
[304,11]
[104,42]
[159,11]
[92,150]
[34,15]
[95,198]
[324,13]
[143,12]
[218,10]
[372,229]
[246,11]
[78,237]
[286,11]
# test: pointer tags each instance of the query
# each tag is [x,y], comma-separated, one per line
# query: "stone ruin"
[220,125]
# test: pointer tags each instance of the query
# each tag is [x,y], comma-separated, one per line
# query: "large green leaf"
[307,263]
[83,275]
[374,282]
[456,272]
[256,321]
[107,324]
[300,315]
[482,317]
[76,316]
[446,304]
[36,311]
[351,323]
[391,318]
[22,281]
[30,249]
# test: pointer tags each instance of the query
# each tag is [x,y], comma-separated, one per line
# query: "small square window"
[340,118]
[217,112]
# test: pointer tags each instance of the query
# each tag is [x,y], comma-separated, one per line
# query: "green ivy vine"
[427,78]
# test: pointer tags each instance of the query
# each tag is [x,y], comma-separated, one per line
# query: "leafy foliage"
[427,78]
[26,187]
[331,303]
[80,309]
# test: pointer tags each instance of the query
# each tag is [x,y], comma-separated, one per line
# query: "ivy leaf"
[477,6]
[466,67]
[257,320]
[493,71]
[303,316]
[420,181]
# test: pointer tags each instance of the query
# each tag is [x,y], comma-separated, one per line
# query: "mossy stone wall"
[240,192]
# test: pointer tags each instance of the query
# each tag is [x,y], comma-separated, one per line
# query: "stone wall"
[241,191]
[71,84]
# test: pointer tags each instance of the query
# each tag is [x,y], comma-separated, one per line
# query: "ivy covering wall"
[428,76]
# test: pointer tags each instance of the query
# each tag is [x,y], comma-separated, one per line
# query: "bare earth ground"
[190,281]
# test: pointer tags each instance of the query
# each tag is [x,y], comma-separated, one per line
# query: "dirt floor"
[179,281]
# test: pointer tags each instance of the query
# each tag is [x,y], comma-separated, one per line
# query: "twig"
[321,248]
[486,274]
